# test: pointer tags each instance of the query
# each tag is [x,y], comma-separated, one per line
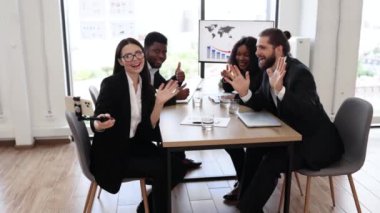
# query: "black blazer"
[301,109]
[109,150]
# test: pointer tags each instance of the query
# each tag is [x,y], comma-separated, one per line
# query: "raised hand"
[239,82]
[166,92]
[276,77]
[179,74]
[226,73]
[183,92]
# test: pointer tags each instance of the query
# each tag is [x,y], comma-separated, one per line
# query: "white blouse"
[135,100]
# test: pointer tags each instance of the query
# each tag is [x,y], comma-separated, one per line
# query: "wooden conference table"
[177,137]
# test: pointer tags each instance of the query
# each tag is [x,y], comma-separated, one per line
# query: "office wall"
[32,71]
[348,41]
[334,28]
[32,79]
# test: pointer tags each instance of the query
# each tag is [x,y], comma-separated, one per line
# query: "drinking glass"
[207,122]
[197,99]
[234,106]
[225,99]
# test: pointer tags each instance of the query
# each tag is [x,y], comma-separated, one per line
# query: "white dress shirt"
[152,71]
[275,95]
[135,100]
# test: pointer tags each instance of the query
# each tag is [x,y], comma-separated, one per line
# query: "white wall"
[348,45]
[32,71]
[334,28]
[32,77]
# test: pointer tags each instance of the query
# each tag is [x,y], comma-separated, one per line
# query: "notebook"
[258,119]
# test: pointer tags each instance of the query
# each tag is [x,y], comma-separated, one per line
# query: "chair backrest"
[82,142]
[353,122]
[94,92]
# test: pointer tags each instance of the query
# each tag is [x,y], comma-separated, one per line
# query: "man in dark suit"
[155,45]
[288,91]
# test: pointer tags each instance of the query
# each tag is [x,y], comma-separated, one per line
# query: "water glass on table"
[225,99]
[207,122]
[197,99]
[234,106]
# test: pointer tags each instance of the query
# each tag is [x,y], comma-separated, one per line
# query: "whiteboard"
[217,38]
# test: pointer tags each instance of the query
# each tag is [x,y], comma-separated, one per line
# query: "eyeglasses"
[129,56]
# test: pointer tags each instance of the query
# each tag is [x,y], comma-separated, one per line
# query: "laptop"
[259,119]
[187,100]
[193,85]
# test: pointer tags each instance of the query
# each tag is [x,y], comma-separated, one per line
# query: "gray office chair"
[83,144]
[353,122]
[94,92]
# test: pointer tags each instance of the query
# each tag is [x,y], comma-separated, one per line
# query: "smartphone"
[76,104]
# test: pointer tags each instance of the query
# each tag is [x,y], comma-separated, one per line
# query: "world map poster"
[216,38]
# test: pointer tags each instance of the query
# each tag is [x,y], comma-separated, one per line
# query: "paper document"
[196,120]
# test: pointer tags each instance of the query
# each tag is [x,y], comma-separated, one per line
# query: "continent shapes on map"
[221,30]
[211,29]
[226,30]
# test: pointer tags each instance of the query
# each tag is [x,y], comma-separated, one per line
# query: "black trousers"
[263,166]
[148,160]
[180,155]
[237,156]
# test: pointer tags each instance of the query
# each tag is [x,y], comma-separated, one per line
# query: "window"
[95,27]
[368,75]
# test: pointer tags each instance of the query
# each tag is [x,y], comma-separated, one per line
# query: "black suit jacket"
[109,149]
[301,109]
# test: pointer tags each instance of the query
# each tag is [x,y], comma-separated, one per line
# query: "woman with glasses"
[243,55]
[122,145]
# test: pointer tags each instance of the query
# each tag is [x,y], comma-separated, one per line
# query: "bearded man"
[288,91]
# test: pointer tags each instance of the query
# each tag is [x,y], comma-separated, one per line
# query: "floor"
[48,178]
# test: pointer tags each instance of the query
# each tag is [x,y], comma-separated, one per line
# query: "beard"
[268,62]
